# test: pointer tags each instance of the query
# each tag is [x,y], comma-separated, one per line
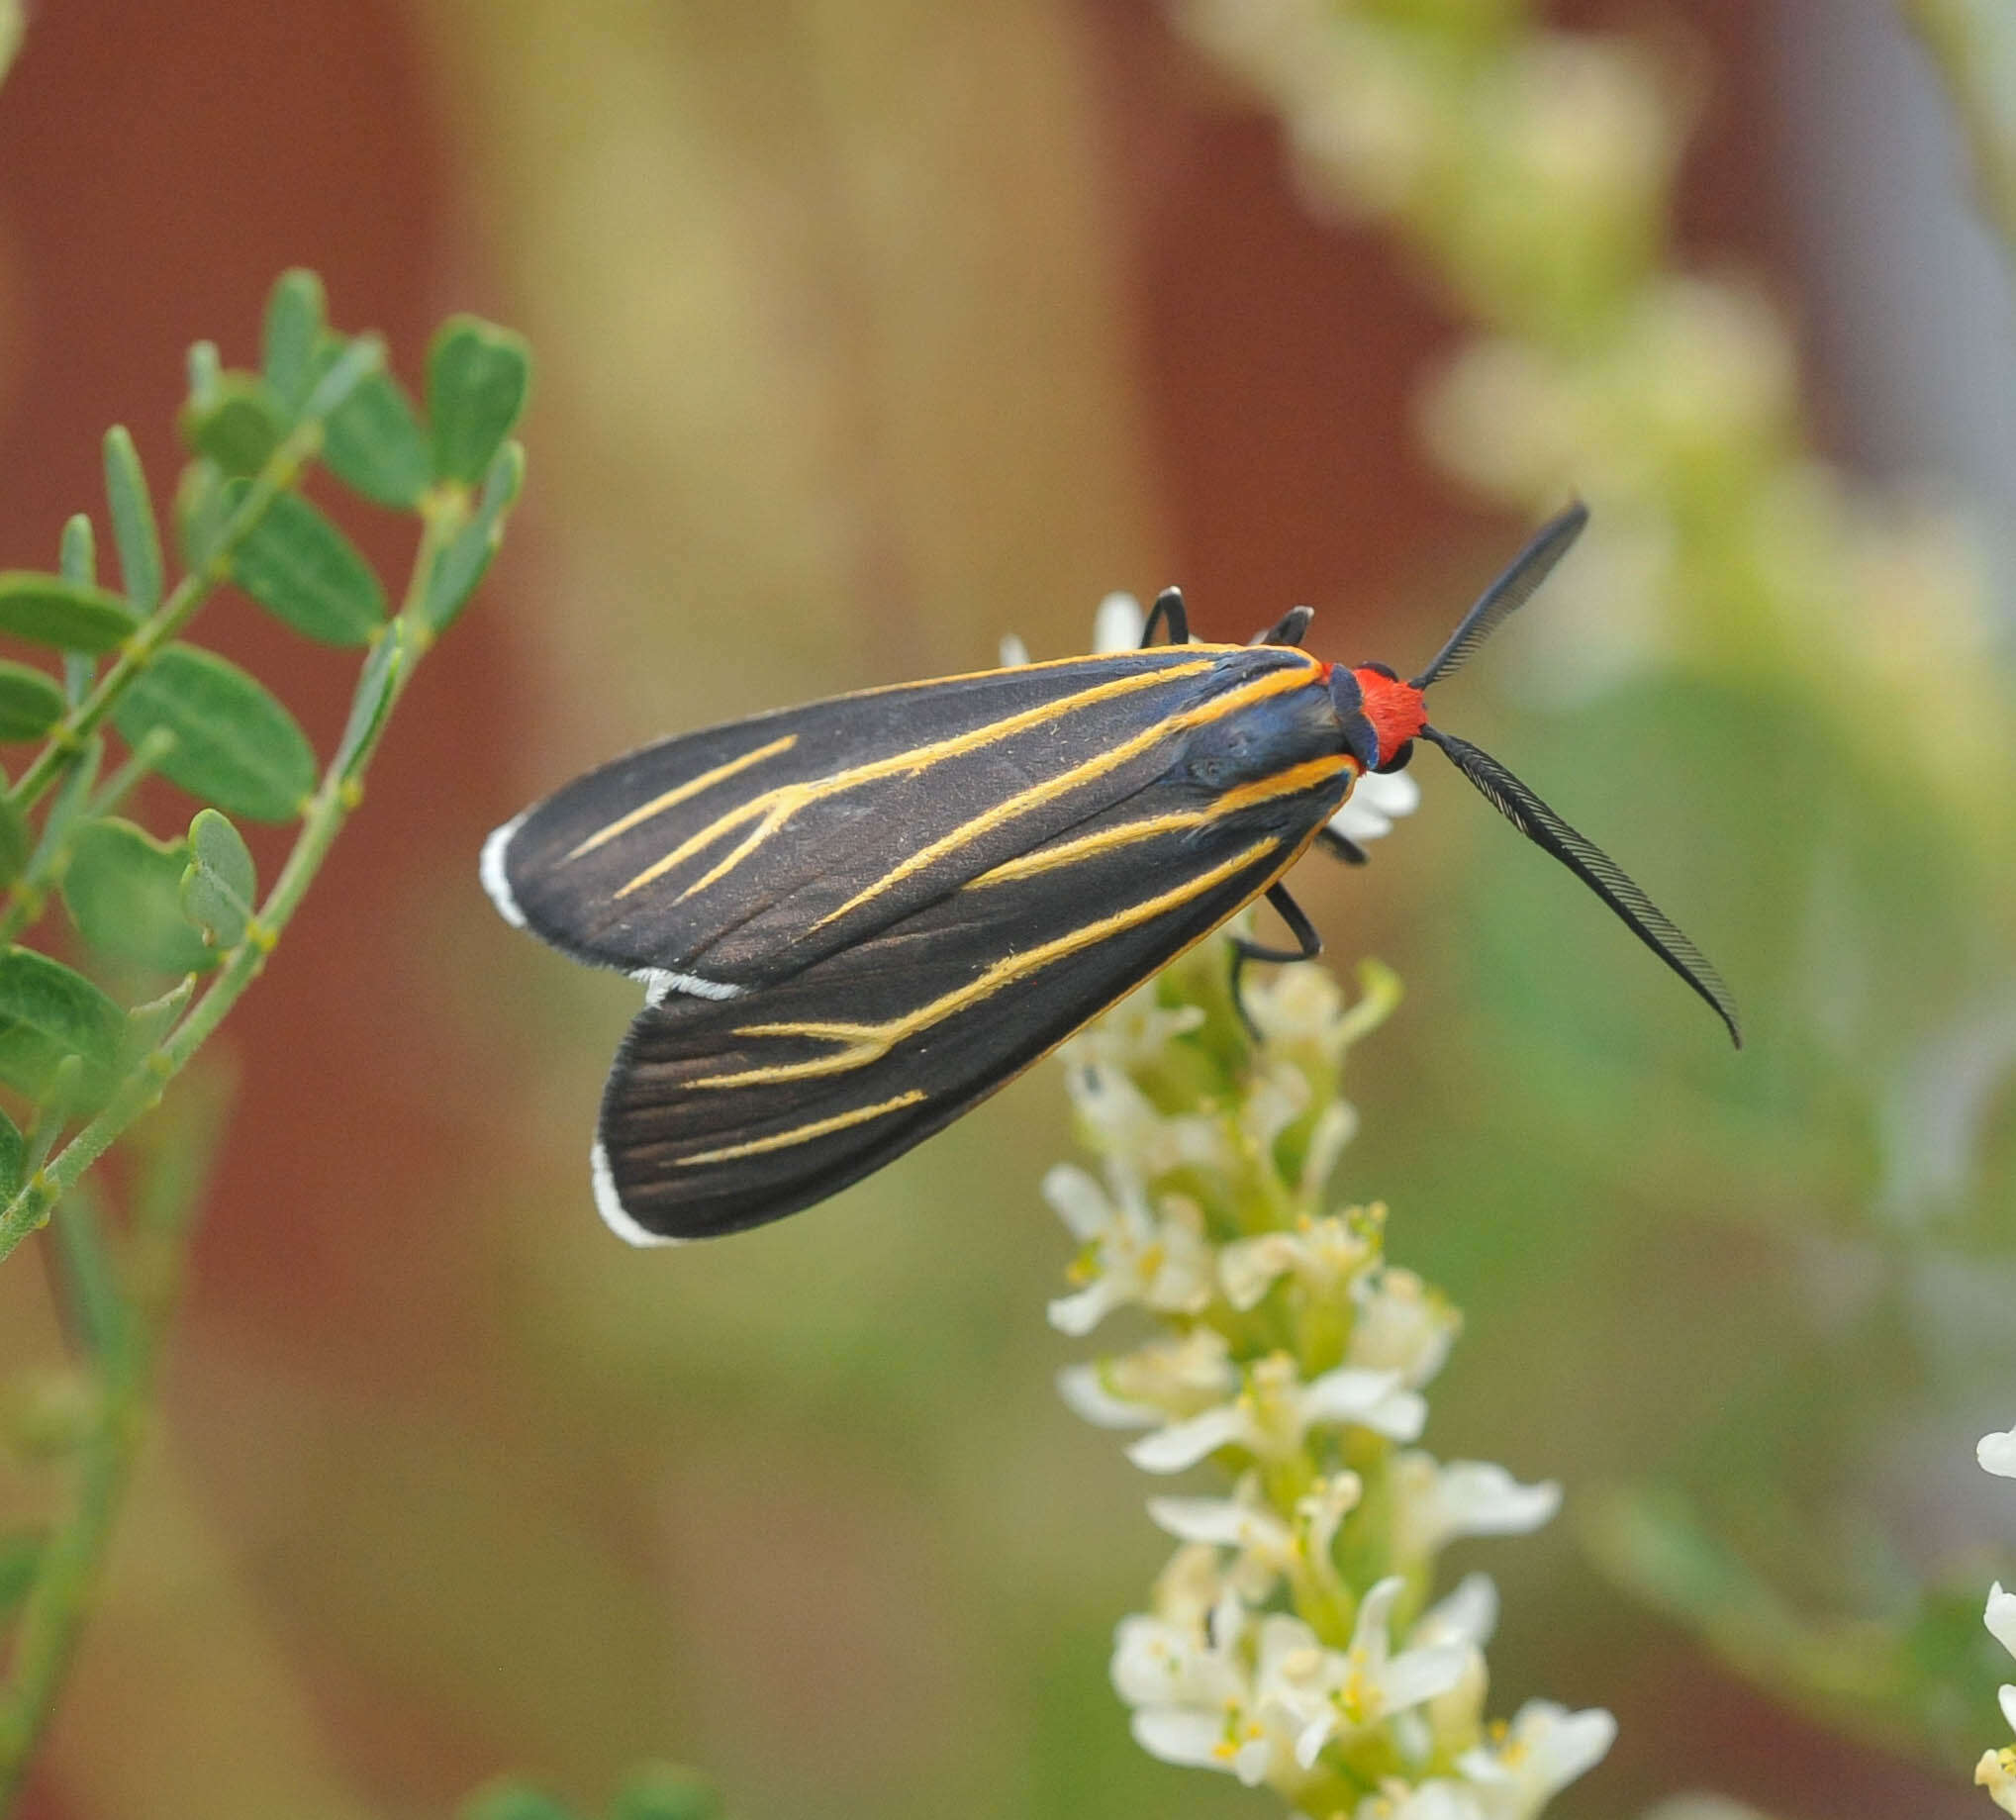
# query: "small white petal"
[1221,1521]
[1183,1444]
[1079,1314]
[1013,652]
[1373,1400]
[1376,799]
[2006,1695]
[1375,1613]
[1997,1453]
[1468,1615]
[2000,1617]
[1118,624]
[1482,1499]
[1551,1747]
[1415,1675]
[1078,1201]
[1181,1735]
[1309,1741]
[1086,1396]
[1250,1761]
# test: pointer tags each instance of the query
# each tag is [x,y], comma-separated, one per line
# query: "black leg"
[1167,611]
[1309,946]
[1289,628]
[1340,847]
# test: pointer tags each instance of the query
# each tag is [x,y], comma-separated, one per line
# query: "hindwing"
[721,1114]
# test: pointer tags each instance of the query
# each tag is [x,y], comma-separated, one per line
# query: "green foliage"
[476,382]
[219,886]
[71,615]
[124,891]
[232,743]
[29,703]
[297,565]
[80,1059]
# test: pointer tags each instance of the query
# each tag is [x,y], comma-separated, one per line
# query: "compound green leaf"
[220,886]
[48,1013]
[71,616]
[477,375]
[133,521]
[460,566]
[302,569]
[235,745]
[294,320]
[29,703]
[374,444]
[124,891]
[237,423]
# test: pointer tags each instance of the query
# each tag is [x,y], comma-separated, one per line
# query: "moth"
[853,920]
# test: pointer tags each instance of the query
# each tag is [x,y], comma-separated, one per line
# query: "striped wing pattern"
[745,854]
[724,1114]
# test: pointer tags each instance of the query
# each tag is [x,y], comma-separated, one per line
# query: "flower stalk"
[1295,1639]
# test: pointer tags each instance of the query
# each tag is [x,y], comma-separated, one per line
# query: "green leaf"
[79,560]
[13,1158]
[235,745]
[459,567]
[302,569]
[237,425]
[200,510]
[133,521]
[124,891]
[374,444]
[378,684]
[16,842]
[146,1024]
[659,1792]
[219,890]
[476,380]
[67,805]
[513,1802]
[20,1563]
[29,703]
[294,320]
[48,1013]
[71,616]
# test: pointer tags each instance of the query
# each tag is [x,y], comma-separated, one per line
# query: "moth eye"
[1398,761]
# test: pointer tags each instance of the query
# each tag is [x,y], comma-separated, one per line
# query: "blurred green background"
[867,333]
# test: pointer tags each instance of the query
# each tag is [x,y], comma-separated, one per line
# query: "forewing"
[724,1114]
[734,857]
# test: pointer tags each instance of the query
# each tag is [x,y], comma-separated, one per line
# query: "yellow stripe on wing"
[1289,783]
[690,788]
[774,807]
[862,1044]
[1273,682]
[783,1140]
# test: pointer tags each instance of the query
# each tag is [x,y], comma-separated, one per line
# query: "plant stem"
[329,808]
[56,1608]
[54,1615]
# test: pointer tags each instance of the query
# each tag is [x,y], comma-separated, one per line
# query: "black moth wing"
[733,857]
[723,1115]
